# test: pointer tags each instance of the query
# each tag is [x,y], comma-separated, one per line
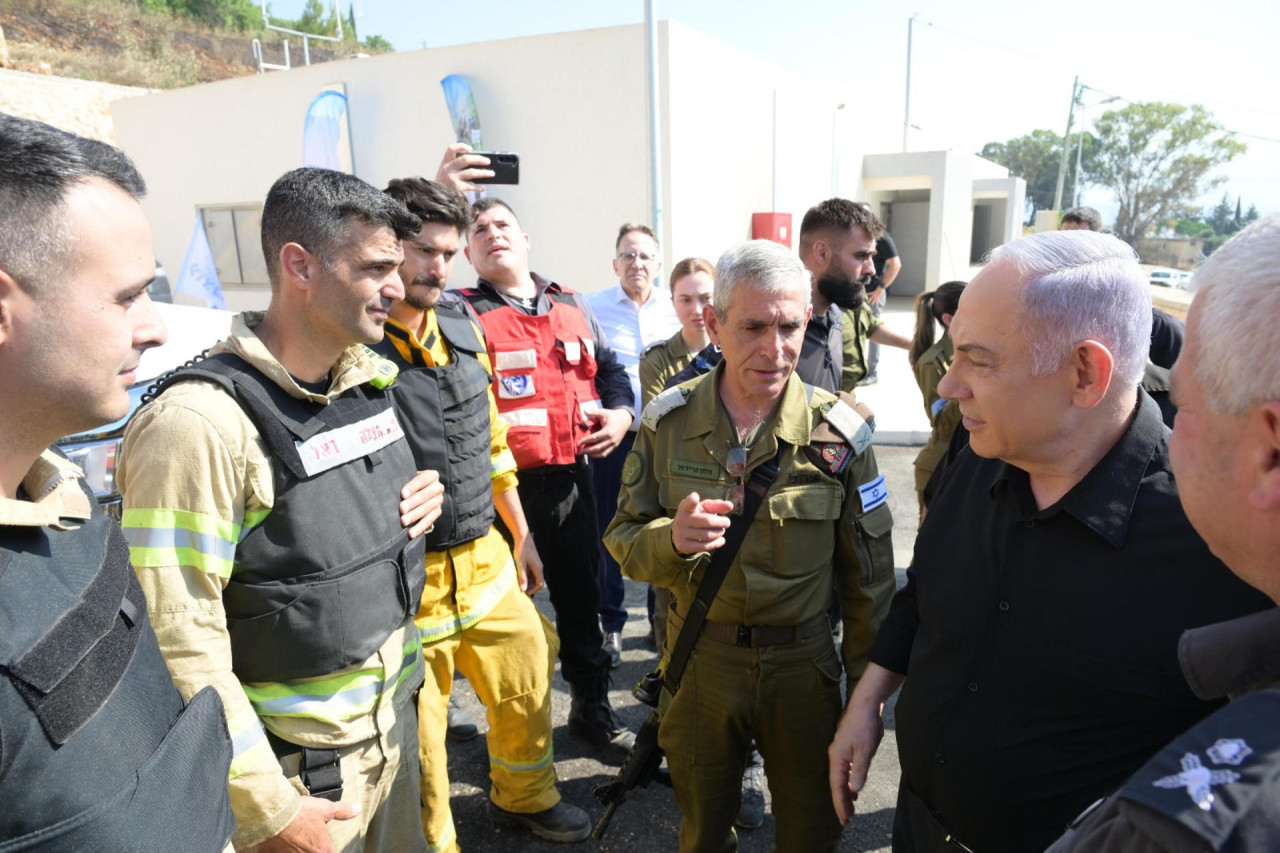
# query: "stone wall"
[78,106]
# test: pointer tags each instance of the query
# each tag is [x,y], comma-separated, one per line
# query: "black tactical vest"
[97,750]
[330,574]
[444,411]
[822,355]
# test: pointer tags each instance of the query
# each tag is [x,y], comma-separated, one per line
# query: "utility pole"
[655,137]
[1066,146]
[906,118]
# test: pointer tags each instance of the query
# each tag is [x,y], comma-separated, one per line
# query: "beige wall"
[574,106]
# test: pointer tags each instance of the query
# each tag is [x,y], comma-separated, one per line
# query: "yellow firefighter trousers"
[508,658]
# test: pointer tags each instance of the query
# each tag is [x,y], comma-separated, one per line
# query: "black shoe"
[462,723]
[592,719]
[751,812]
[562,822]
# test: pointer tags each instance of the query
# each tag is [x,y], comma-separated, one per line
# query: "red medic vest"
[544,375]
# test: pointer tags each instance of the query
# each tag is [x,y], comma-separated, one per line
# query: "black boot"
[592,719]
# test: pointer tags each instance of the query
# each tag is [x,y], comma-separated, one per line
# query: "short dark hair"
[39,164]
[432,202]
[839,214]
[1086,216]
[631,228]
[314,207]
[488,203]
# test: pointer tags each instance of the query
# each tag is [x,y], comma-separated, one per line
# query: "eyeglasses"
[636,257]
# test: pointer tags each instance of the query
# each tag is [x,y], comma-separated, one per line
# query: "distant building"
[739,136]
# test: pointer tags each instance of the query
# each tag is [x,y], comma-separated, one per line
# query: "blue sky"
[980,72]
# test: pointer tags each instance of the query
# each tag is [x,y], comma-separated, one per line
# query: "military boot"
[592,719]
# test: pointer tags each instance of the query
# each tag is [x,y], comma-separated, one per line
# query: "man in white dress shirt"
[634,315]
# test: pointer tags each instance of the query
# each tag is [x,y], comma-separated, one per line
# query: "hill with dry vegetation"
[132,44]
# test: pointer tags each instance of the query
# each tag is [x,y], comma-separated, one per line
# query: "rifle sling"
[761,478]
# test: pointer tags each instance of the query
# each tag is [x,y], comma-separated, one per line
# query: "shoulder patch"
[662,405]
[853,420]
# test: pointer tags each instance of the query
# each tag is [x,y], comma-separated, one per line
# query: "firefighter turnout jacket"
[208,529]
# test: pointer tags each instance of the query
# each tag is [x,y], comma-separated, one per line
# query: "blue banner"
[324,133]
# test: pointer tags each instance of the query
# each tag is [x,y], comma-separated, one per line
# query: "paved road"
[649,820]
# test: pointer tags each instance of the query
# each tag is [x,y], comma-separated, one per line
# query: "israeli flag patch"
[515,387]
[873,493]
[937,407]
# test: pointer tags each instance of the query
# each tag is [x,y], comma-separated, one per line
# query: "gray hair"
[762,265]
[1238,320]
[39,165]
[1081,285]
[315,207]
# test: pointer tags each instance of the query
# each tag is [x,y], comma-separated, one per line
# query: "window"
[235,240]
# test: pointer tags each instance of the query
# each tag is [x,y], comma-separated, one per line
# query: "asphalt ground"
[649,819]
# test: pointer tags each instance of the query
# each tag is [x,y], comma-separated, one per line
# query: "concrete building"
[738,136]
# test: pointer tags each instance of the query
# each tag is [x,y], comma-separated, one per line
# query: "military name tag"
[698,470]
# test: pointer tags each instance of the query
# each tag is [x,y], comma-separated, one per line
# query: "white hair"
[762,265]
[1080,286]
[1238,320]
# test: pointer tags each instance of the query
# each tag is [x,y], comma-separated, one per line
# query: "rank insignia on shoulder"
[662,405]
[853,420]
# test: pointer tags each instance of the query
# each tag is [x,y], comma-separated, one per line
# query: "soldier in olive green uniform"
[764,665]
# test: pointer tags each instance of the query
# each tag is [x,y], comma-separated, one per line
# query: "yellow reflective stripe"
[181,519]
[249,746]
[446,841]
[503,463]
[335,698]
[525,767]
[252,518]
[178,556]
[432,630]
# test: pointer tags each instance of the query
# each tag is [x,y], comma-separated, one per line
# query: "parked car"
[191,331]
[1169,278]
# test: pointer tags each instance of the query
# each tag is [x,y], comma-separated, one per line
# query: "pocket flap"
[819,501]
[878,522]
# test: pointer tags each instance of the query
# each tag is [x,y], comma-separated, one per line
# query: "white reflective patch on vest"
[590,346]
[851,425]
[572,351]
[525,417]
[335,447]
[873,493]
[589,406]
[522,359]
[515,386]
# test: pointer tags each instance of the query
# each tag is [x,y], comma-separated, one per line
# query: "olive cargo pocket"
[803,516]
[872,537]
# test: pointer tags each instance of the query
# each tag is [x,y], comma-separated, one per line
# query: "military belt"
[763,636]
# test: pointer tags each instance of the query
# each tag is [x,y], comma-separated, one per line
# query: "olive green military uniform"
[944,415]
[857,326]
[660,362]
[781,684]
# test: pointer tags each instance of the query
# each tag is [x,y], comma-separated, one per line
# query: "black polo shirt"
[1041,645]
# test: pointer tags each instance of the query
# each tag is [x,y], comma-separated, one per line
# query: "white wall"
[572,104]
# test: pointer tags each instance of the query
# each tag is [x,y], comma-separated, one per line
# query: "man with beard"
[476,613]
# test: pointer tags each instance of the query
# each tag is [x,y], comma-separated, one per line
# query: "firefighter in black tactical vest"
[274,515]
[98,749]
[476,613]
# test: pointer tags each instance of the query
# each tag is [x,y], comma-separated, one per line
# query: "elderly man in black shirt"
[1038,631]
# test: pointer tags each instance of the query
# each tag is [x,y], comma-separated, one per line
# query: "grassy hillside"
[125,42]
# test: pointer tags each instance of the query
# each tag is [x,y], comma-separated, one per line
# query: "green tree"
[1156,157]
[1035,158]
